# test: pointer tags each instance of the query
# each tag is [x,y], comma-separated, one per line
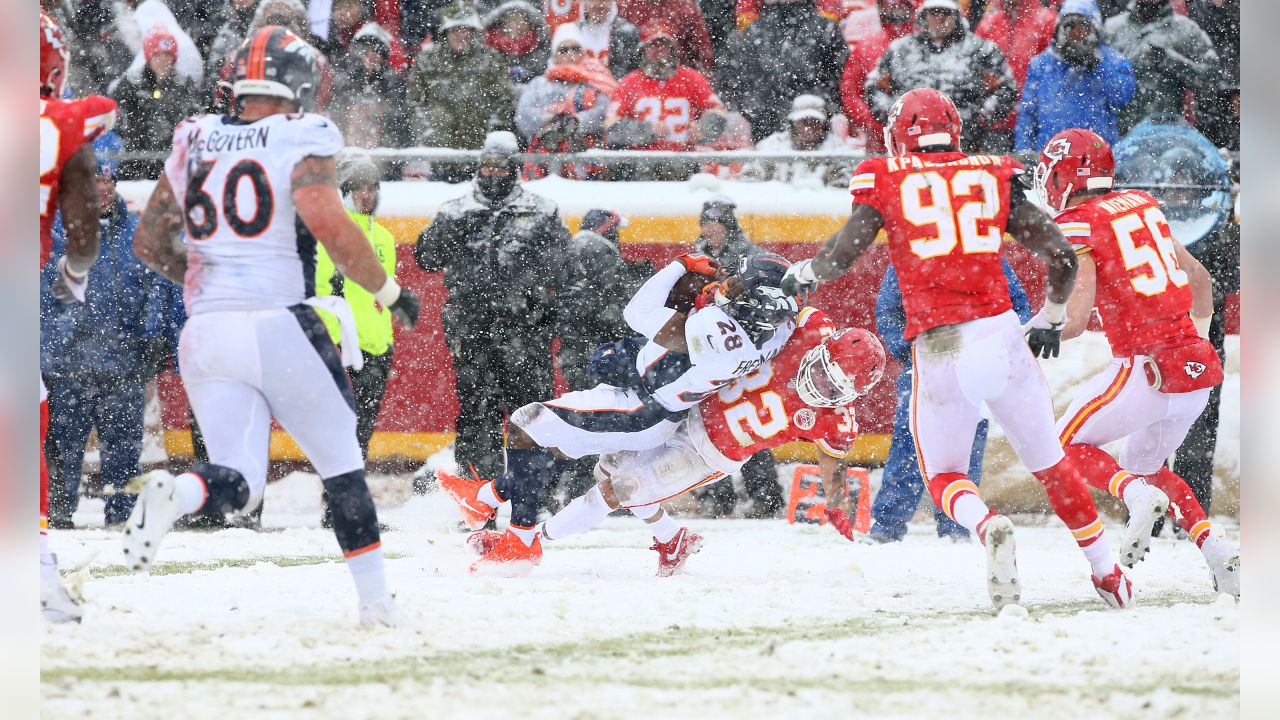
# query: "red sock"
[958,497]
[1098,468]
[1183,504]
[1072,502]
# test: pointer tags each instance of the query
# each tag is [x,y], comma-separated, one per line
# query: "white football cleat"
[153,516]
[56,603]
[1223,560]
[383,613]
[1002,563]
[1149,505]
[1115,589]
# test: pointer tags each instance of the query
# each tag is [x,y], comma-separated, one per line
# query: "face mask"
[496,187]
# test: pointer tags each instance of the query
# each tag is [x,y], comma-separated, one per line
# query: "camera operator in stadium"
[502,250]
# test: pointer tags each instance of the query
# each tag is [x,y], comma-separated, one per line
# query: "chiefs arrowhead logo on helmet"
[54,58]
[1194,369]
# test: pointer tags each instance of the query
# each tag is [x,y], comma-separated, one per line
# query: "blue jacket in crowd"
[1058,95]
[105,333]
[891,318]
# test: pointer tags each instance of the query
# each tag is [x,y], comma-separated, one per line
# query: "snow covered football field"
[770,620]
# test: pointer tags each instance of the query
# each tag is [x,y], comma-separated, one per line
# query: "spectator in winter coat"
[519,33]
[790,50]
[664,105]
[893,18]
[201,19]
[609,38]
[107,29]
[1076,83]
[563,110]
[1021,29]
[1170,55]
[683,19]
[809,129]
[237,18]
[943,54]
[92,355]
[1218,115]
[370,101]
[348,18]
[152,100]
[459,89]
[150,13]
[291,14]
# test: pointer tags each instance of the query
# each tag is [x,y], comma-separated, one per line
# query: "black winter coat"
[791,50]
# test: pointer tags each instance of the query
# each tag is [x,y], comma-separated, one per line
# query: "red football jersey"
[65,125]
[945,217]
[1143,296]
[761,410]
[674,104]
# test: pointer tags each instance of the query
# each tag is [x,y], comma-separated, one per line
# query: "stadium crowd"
[567,75]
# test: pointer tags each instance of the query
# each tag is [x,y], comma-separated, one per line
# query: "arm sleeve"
[862,186]
[647,312]
[431,251]
[1017,295]
[385,243]
[314,135]
[1027,126]
[879,99]
[1118,81]
[1078,232]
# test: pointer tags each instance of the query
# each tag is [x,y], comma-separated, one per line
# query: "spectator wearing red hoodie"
[895,22]
[683,19]
[346,19]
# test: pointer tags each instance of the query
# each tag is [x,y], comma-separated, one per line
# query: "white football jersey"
[719,352]
[247,249]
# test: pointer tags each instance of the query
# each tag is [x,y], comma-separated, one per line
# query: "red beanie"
[159,40]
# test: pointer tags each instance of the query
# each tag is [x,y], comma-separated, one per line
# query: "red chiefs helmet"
[54,57]
[1073,161]
[922,117]
[839,370]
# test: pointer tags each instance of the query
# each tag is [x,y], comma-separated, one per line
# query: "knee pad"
[229,492]
[355,519]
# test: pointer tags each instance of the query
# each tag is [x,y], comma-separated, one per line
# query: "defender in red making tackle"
[1155,301]
[802,394]
[945,214]
[67,184]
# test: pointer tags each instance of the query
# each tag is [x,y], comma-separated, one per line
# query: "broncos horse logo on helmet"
[276,62]
[762,307]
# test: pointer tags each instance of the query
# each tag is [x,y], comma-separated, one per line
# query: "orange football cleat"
[510,555]
[482,542]
[463,492]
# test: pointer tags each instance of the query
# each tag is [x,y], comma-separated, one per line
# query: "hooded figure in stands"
[502,250]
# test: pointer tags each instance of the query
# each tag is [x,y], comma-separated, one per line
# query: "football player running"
[945,214]
[802,394]
[67,183]
[1155,301]
[647,386]
[255,191]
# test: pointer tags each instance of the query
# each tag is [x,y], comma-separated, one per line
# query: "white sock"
[969,511]
[1100,558]
[191,493]
[488,496]
[663,528]
[526,535]
[578,516]
[368,571]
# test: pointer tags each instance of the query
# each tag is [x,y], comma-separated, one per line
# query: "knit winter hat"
[159,40]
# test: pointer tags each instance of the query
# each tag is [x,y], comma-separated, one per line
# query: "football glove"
[800,279]
[69,286]
[700,264]
[839,520]
[1044,331]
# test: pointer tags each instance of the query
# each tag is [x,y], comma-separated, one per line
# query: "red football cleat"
[463,492]
[674,554]
[481,543]
[839,519]
[1115,589]
[510,555]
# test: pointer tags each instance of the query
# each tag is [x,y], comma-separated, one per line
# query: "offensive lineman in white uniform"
[254,193]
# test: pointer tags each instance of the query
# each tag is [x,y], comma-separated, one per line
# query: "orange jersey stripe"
[1093,406]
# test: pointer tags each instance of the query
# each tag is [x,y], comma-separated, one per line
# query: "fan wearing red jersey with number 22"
[1155,301]
[945,214]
